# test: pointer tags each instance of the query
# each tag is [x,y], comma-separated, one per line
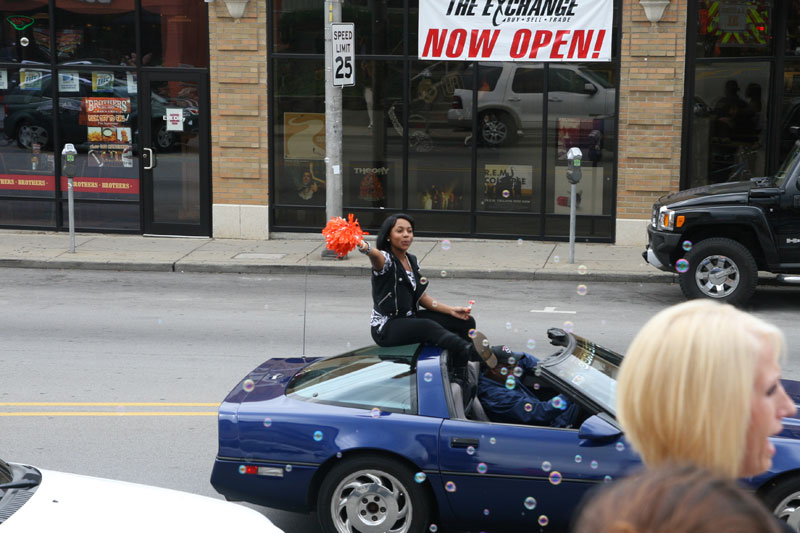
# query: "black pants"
[430,327]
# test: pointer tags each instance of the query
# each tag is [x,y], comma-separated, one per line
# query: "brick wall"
[238,50]
[650,106]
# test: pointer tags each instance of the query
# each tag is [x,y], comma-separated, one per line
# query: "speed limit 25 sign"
[343,54]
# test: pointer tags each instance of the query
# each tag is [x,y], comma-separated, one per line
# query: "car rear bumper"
[660,247]
[277,485]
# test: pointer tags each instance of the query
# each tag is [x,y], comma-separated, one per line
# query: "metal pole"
[333,124]
[71,209]
[572,201]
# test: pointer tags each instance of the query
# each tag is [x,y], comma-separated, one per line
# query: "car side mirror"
[595,428]
[589,88]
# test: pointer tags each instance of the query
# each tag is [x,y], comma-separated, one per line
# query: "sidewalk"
[301,253]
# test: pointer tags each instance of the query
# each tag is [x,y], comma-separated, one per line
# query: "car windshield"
[367,378]
[589,368]
[789,164]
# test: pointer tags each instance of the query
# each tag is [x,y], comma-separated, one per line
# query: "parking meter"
[573,176]
[574,165]
[69,168]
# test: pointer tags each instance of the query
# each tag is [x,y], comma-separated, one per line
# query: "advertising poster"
[493,30]
[102,82]
[3,79]
[586,134]
[30,80]
[304,136]
[133,86]
[367,183]
[174,118]
[104,111]
[304,182]
[588,192]
[68,82]
[507,188]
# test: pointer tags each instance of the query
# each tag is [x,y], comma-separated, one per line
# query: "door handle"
[513,99]
[151,158]
[459,442]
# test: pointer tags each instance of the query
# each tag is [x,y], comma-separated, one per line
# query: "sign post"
[333,117]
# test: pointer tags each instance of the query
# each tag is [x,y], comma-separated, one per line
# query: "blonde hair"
[685,386]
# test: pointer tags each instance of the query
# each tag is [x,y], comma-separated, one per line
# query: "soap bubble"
[482,468]
[444,273]
[267,422]
[620,446]
[423,280]
[445,244]
[288,468]
[582,270]
[568,326]
[555,477]
[338,455]
[434,304]
[687,245]
[557,402]
[594,465]
[492,440]
[434,528]
[472,333]
[375,413]
[682,265]
[517,372]
[556,259]
[536,386]
[450,486]
[546,466]
[528,407]
[519,242]
[317,435]
[248,385]
[486,512]
[531,344]
[508,325]
[504,371]
[582,290]
[510,361]
[607,479]
[485,342]
[543,520]
[420,477]
[242,469]
[470,450]
[530,503]
[511,383]
[428,377]
[506,194]
[578,458]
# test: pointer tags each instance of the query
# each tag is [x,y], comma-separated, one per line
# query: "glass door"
[175,167]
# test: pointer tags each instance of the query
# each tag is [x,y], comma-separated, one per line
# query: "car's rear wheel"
[721,269]
[497,129]
[372,494]
[783,499]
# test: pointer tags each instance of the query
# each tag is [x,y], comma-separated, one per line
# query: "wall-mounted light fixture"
[654,9]
[236,8]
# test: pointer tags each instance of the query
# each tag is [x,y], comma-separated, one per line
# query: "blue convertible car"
[388,440]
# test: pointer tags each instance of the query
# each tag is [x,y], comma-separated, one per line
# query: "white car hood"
[70,502]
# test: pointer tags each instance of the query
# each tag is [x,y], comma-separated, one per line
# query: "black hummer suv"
[718,237]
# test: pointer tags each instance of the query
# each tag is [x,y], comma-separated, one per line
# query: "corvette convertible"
[394,440]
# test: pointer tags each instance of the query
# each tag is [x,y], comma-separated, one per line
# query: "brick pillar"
[652,75]
[238,54]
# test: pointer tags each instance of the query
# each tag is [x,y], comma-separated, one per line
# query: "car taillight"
[457,103]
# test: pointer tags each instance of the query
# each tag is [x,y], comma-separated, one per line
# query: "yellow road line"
[109,404]
[109,413]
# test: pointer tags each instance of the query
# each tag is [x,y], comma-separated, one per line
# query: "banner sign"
[103,185]
[27,182]
[104,112]
[515,30]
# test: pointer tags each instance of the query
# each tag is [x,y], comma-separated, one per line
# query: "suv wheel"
[721,269]
[29,133]
[497,129]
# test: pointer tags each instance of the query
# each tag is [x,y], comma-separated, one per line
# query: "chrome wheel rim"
[787,510]
[29,134]
[494,131]
[163,138]
[371,501]
[717,276]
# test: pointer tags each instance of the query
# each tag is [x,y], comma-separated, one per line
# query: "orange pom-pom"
[341,235]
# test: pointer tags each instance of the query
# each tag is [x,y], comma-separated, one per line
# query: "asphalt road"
[184,340]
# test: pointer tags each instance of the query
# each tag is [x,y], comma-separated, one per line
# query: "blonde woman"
[700,384]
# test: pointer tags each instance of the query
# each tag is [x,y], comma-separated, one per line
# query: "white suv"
[510,98]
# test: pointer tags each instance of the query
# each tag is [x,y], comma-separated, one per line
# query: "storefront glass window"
[728,120]
[95,33]
[25,32]
[299,134]
[734,28]
[581,111]
[26,147]
[438,153]
[372,151]
[790,115]
[98,115]
[174,34]
[792,44]
[379,25]
[298,27]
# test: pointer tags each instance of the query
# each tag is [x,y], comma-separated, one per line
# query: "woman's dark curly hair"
[382,240]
